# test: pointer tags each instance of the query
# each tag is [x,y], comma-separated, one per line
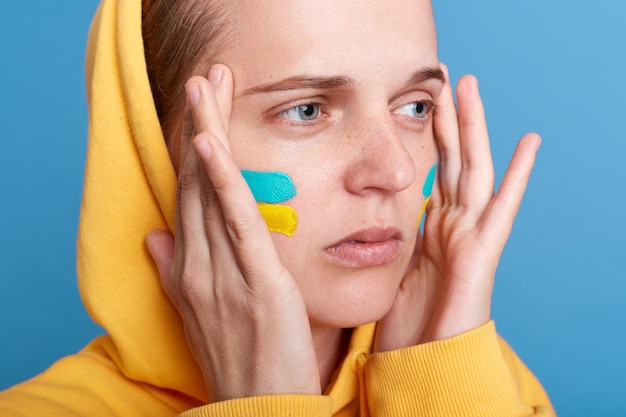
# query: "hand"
[448,289]
[244,317]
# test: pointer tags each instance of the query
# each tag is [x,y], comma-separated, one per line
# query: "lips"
[366,248]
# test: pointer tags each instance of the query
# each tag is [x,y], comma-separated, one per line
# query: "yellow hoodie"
[143,366]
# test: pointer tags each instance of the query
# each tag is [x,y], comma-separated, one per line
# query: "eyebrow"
[299,82]
[427,74]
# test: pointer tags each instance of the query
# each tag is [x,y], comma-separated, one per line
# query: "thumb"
[160,244]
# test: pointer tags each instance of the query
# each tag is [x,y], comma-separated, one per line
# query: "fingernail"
[215,75]
[193,93]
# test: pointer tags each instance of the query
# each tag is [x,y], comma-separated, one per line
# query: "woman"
[294,168]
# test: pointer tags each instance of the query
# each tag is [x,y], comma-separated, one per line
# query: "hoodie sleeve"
[475,373]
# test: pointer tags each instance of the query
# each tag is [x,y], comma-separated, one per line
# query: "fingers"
[447,134]
[199,207]
[198,222]
[211,102]
[500,215]
[189,213]
[466,176]
[225,272]
[230,211]
[476,181]
[221,78]
[246,227]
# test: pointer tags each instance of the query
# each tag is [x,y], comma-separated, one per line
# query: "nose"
[381,160]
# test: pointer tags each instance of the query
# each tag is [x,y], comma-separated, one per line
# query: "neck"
[330,346]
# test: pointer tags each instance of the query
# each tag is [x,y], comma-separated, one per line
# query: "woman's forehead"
[278,38]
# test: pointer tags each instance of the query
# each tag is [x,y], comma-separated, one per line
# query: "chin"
[347,309]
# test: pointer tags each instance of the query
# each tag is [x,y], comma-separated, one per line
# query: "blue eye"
[417,109]
[303,113]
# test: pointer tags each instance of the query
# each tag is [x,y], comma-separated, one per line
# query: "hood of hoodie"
[130,189]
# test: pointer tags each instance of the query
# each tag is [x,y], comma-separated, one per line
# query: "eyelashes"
[310,114]
[306,114]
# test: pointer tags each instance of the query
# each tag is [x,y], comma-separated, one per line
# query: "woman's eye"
[417,109]
[302,113]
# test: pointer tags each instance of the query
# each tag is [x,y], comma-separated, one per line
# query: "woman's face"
[339,95]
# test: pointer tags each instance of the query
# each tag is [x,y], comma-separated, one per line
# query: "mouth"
[366,248]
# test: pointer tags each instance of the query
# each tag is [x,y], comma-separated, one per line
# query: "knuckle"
[240,228]
[223,183]
[189,288]
[208,198]
[186,179]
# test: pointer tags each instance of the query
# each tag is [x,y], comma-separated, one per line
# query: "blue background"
[557,67]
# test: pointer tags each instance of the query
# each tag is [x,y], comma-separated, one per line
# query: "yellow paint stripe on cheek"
[279,219]
[419,219]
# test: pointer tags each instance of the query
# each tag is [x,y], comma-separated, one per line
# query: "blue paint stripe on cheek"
[430,181]
[270,187]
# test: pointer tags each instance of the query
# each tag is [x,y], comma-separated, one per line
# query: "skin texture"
[360,165]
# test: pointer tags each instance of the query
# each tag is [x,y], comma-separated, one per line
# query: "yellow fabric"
[143,366]
[451,377]
[130,188]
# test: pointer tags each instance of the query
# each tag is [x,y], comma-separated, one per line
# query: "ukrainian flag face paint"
[427,190]
[268,189]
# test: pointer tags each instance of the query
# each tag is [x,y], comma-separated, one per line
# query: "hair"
[180,37]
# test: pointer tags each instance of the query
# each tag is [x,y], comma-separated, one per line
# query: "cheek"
[425,159]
